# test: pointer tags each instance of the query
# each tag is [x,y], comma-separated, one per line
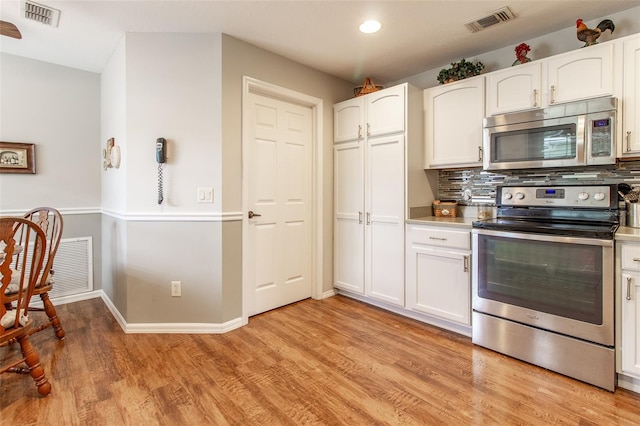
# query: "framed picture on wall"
[17,157]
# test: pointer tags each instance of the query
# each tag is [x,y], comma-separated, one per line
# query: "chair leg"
[53,316]
[35,368]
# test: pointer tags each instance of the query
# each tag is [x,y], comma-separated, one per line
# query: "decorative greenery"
[459,71]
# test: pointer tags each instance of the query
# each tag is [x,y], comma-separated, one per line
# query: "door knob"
[252,214]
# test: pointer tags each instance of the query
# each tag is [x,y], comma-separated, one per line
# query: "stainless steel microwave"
[568,135]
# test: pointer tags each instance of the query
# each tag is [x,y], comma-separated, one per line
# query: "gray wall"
[627,23]
[57,109]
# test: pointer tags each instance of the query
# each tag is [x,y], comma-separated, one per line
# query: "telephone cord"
[160,191]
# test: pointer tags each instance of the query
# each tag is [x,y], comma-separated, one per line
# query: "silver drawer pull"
[628,288]
[636,259]
[437,238]
[466,264]
[628,140]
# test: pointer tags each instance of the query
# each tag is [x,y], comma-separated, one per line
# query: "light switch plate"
[205,195]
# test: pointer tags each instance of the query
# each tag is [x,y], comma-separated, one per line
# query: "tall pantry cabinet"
[371,164]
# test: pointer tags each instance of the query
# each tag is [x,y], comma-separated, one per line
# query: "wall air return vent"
[41,13]
[493,18]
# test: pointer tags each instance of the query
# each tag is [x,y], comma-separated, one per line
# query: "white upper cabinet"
[453,123]
[348,120]
[576,75]
[581,74]
[514,89]
[385,111]
[630,136]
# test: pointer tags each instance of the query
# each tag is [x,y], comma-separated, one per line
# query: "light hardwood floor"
[331,362]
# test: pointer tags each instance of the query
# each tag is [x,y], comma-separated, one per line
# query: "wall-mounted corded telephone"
[161,158]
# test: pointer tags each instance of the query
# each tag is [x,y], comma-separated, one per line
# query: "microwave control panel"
[593,196]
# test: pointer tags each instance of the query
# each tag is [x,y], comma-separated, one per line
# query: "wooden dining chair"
[50,222]
[22,252]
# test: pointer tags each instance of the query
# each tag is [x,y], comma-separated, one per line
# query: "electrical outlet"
[176,288]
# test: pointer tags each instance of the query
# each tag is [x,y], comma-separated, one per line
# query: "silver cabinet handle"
[368,218]
[360,217]
[368,129]
[628,288]
[438,238]
[465,263]
[359,131]
[636,259]
[479,153]
[535,97]
[628,138]
[553,95]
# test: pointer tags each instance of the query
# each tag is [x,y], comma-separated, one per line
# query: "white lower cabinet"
[438,272]
[629,302]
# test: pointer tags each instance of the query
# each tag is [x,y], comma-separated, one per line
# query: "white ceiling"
[416,35]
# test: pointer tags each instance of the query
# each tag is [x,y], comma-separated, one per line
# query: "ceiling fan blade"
[9,30]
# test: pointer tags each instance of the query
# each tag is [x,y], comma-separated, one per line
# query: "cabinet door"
[630,142]
[349,216]
[581,74]
[438,283]
[630,323]
[348,120]
[385,111]
[384,195]
[514,89]
[453,123]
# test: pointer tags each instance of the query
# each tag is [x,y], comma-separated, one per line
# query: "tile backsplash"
[477,186]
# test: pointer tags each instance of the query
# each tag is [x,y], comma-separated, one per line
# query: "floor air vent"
[73,267]
[41,13]
[496,17]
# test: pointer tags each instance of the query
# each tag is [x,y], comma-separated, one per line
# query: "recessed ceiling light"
[369,27]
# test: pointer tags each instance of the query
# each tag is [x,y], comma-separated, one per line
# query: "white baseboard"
[629,383]
[174,328]
[326,294]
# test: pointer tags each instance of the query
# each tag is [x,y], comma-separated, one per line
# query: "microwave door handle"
[582,137]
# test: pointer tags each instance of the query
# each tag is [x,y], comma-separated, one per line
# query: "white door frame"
[252,85]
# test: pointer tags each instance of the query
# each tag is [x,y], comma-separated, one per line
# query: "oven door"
[556,283]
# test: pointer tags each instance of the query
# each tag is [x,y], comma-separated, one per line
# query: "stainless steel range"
[543,281]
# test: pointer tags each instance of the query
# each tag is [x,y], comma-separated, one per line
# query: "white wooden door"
[348,198]
[384,218]
[279,191]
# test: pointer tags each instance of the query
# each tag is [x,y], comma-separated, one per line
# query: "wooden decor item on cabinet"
[370,162]
[453,124]
[629,301]
[630,136]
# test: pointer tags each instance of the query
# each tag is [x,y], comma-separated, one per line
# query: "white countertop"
[624,233]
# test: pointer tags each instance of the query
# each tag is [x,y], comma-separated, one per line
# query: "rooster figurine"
[590,36]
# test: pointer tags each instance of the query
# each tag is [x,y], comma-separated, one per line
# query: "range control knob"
[598,196]
[583,196]
[519,196]
[507,196]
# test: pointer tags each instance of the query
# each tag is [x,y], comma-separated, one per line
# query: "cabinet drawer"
[440,237]
[630,257]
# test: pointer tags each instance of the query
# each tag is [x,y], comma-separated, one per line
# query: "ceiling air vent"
[496,17]
[41,13]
